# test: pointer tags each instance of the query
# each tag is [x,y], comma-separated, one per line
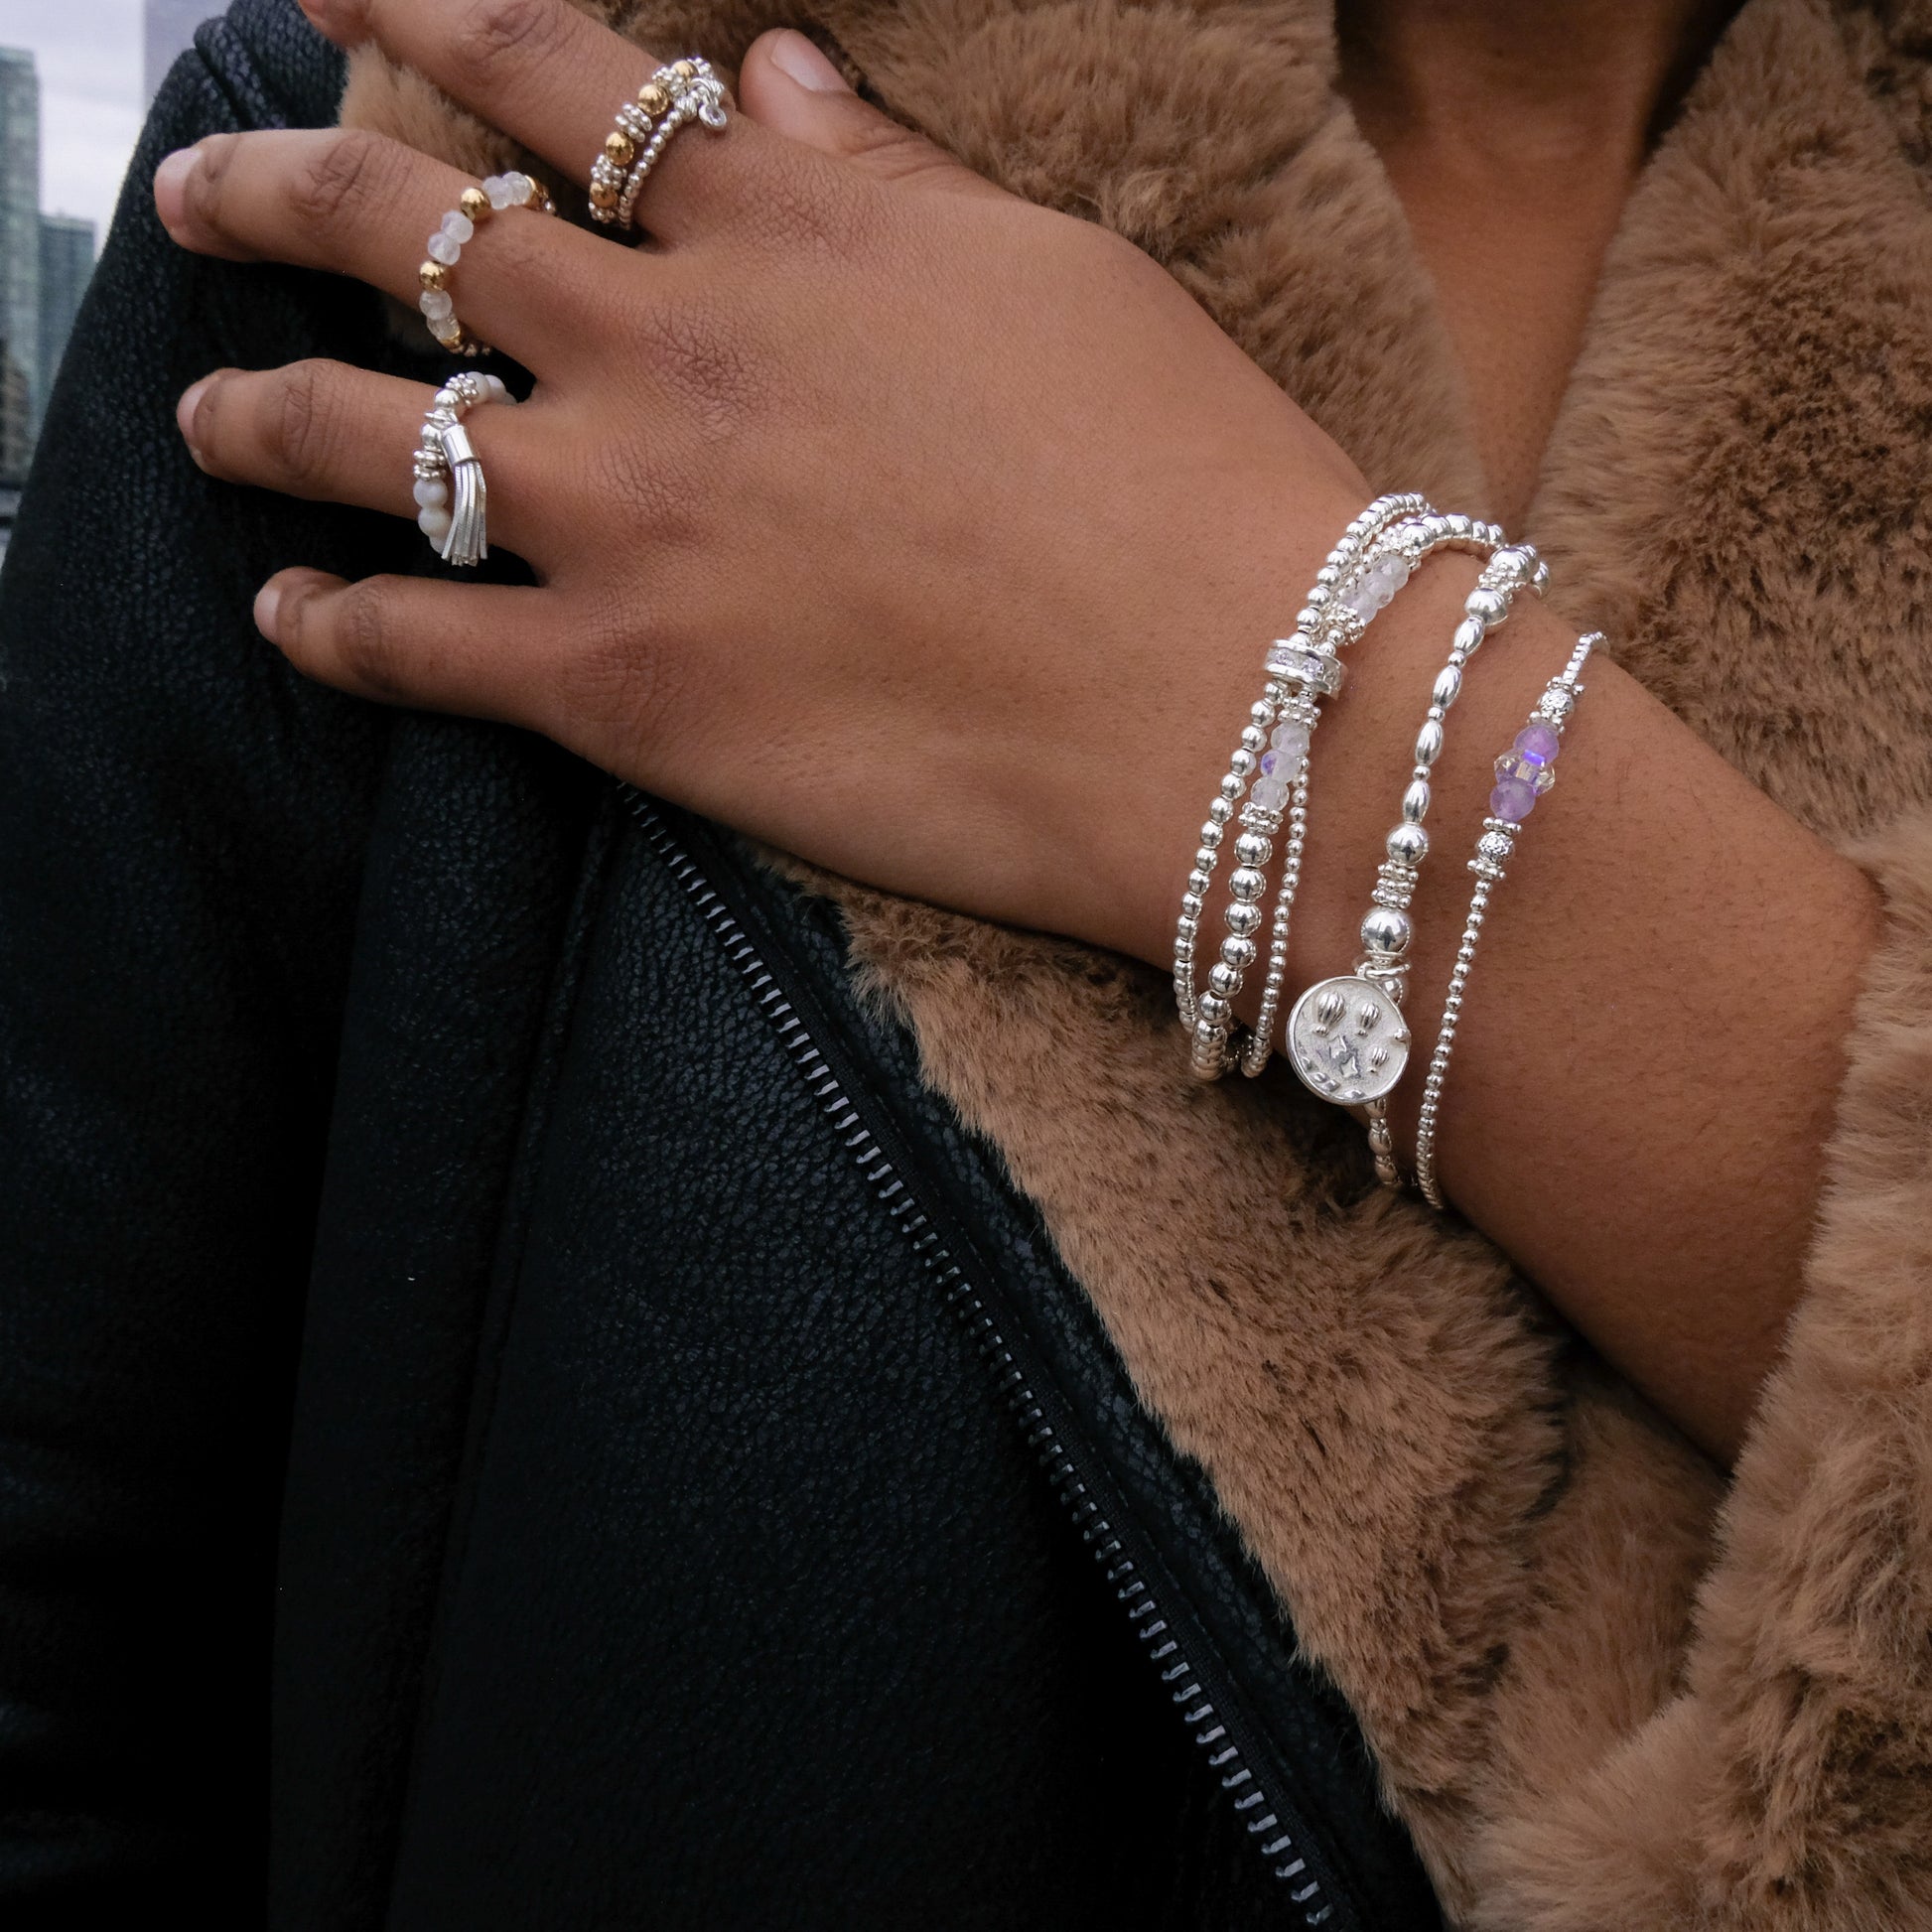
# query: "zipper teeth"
[875,1168]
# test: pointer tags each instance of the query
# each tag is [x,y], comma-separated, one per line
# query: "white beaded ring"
[446,247]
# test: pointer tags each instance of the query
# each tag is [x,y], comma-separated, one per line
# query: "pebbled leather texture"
[475,1449]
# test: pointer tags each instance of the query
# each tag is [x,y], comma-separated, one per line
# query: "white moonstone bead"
[458,227]
[520,189]
[432,493]
[434,523]
[1291,742]
[436,304]
[497,187]
[444,248]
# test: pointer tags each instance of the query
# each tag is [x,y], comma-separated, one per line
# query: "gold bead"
[604,194]
[621,146]
[473,202]
[684,70]
[652,99]
[432,275]
[540,197]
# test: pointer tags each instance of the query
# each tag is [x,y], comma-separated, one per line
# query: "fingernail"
[171,185]
[802,61]
[267,600]
[184,413]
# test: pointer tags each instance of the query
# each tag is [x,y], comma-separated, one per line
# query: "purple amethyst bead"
[1512,799]
[1538,742]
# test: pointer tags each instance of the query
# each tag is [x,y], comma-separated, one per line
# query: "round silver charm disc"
[1347,1041]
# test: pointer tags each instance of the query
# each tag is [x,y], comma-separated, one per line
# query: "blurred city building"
[67,263]
[20,258]
[169,28]
[45,261]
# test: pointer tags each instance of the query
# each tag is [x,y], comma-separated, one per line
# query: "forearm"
[1647,1060]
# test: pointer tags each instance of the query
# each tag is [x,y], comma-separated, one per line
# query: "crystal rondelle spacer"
[1519,768]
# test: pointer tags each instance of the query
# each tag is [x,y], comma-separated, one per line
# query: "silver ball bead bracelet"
[1345,1035]
[1266,770]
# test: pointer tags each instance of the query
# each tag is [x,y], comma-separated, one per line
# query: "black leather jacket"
[516,1407]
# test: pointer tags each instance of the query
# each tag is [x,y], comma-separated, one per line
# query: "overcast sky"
[89,52]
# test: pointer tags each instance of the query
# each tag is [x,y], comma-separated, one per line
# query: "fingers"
[553,78]
[475,649]
[338,435]
[366,206]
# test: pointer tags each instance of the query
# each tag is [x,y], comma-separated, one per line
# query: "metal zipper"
[1225,1754]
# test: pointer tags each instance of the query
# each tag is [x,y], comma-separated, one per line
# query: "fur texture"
[1608,1692]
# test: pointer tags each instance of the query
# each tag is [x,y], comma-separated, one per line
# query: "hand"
[927,533]
[934,536]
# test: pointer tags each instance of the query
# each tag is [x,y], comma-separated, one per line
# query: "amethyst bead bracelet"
[1524,774]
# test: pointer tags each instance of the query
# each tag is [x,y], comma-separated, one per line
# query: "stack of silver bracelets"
[1345,1035]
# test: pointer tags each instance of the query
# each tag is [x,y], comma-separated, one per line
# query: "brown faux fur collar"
[1605,1689]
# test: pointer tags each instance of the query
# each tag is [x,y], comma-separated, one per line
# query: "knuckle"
[335,188]
[692,347]
[493,33]
[367,645]
[815,206]
[302,422]
[617,672]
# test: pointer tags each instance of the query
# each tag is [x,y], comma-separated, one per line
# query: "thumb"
[787,85]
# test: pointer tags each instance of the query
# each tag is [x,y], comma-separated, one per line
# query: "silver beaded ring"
[678,92]
[446,467]
[1524,774]
[1345,1035]
[473,207]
